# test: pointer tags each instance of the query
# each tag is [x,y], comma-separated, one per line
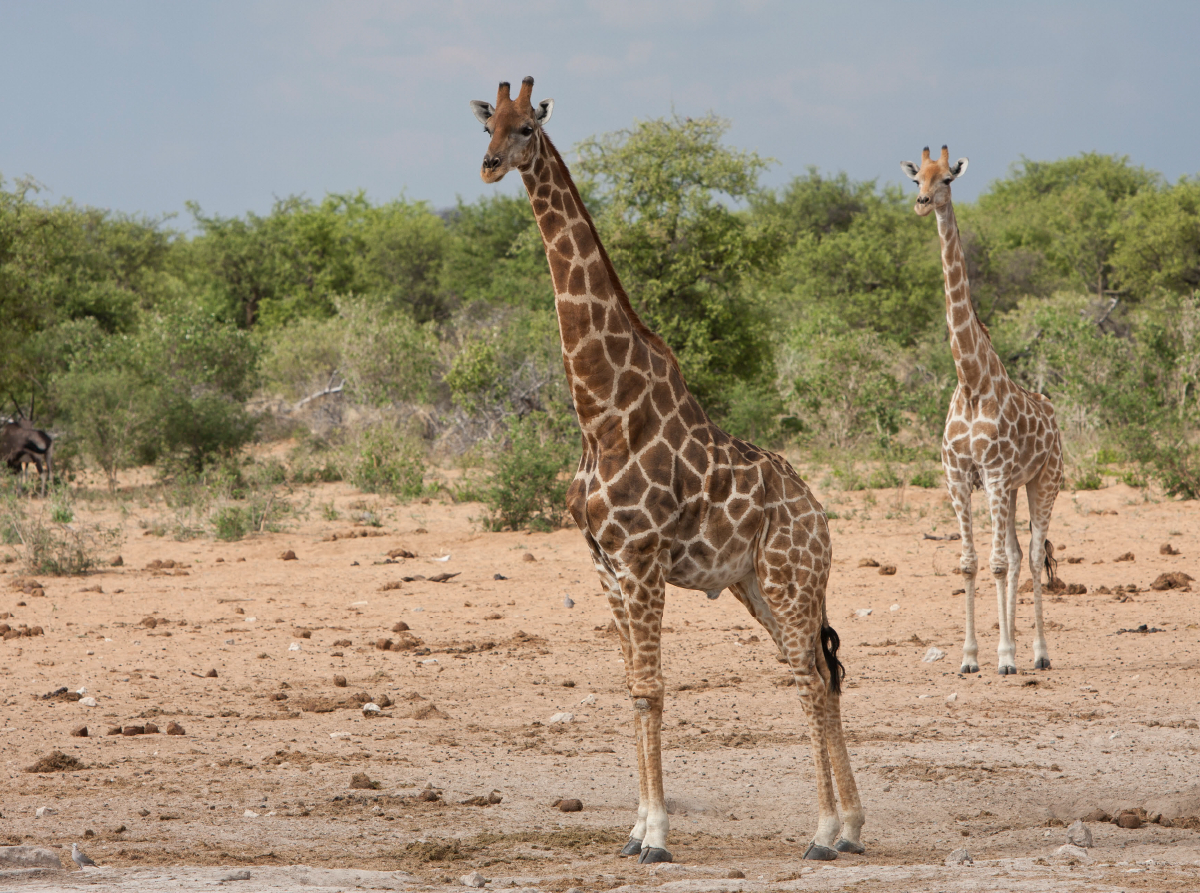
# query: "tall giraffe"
[662,495]
[999,437]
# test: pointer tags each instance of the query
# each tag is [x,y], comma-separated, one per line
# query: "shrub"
[926,478]
[527,488]
[55,547]
[389,462]
[1088,479]
[231,523]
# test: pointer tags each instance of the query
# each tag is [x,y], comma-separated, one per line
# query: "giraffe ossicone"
[664,496]
[999,437]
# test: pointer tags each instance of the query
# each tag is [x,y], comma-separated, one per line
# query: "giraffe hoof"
[654,854]
[820,853]
[1042,663]
[849,846]
[1008,671]
[969,668]
[633,848]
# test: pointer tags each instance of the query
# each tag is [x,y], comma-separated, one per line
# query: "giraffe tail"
[1051,563]
[830,642]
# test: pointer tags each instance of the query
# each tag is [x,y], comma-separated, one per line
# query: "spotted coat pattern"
[999,437]
[663,495]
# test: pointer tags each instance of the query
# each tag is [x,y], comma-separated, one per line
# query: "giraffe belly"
[714,577]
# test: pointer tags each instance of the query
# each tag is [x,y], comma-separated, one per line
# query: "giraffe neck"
[975,361]
[605,344]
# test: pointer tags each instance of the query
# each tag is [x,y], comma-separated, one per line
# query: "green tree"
[1158,241]
[664,189]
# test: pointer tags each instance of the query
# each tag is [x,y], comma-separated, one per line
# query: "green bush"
[925,478]
[388,462]
[231,523]
[1088,479]
[528,487]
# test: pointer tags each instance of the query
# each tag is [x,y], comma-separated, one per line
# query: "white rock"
[588,701]
[959,857]
[864,612]
[28,857]
[444,558]
[88,702]
[90,651]
[1079,834]
[46,810]
[474,879]
[370,709]
[418,610]
[81,691]
[250,814]
[340,734]
[1069,852]
[894,608]
[560,717]
[430,660]
[1114,735]
[934,653]
[952,697]
[357,604]
[295,646]
[251,619]
[229,641]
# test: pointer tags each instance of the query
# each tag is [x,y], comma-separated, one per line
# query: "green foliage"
[926,478]
[231,523]
[474,375]
[388,358]
[389,462]
[528,486]
[1088,479]
[54,544]
[682,253]
[1158,241]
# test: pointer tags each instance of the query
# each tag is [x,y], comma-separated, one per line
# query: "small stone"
[174,728]
[933,654]
[383,644]
[289,555]
[133,730]
[570,806]
[370,709]
[1167,549]
[117,561]
[295,646]
[242,875]
[143,812]
[114,730]
[400,627]
[87,702]
[21,857]
[868,562]
[151,728]
[45,811]
[887,570]
[149,622]
[864,612]
[339,681]
[894,608]
[568,602]
[1071,853]
[429,796]
[89,833]
[735,873]
[360,781]
[211,674]
[952,697]
[528,556]
[1127,556]
[560,717]
[588,701]
[1078,834]
[959,857]
[474,879]
[79,732]
[250,814]
[1129,820]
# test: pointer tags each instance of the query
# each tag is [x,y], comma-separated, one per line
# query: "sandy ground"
[998,769]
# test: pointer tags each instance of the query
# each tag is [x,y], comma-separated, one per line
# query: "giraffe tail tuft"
[830,642]
[1051,563]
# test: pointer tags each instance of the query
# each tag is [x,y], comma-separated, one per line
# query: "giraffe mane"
[653,338]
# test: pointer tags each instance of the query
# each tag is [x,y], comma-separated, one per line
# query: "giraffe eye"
[526,130]
[948,180]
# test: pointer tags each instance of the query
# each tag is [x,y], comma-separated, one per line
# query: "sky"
[143,106]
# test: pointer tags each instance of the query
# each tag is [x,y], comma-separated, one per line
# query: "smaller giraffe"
[999,437]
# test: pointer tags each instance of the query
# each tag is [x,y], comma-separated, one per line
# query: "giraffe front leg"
[999,502]
[960,496]
[1041,493]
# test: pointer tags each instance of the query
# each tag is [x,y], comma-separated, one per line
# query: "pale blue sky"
[141,106]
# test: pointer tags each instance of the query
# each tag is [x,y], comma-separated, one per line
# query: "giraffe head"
[511,123]
[933,178]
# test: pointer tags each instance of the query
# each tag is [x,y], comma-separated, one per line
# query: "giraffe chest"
[1005,435]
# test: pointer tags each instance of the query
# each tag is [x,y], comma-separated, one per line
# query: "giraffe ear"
[543,111]
[910,169]
[482,110]
[959,167]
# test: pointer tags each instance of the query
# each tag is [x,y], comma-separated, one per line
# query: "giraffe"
[662,495]
[999,437]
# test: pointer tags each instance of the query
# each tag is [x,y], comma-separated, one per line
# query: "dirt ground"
[261,779]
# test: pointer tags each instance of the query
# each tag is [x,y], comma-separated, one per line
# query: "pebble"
[250,814]
[87,702]
[952,697]
[568,602]
[474,879]
[229,641]
[211,674]
[887,570]
[894,608]
[560,717]
[528,556]
[79,732]
[174,728]
[339,681]
[289,555]
[46,810]
[588,701]
[133,730]
[864,612]
[570,805]
[143,812]
[934,653]
[735,873]
[1078,834]
[370,709]
[1129,820]
[242,875]
[400,627]
[295,646]
[959,857]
